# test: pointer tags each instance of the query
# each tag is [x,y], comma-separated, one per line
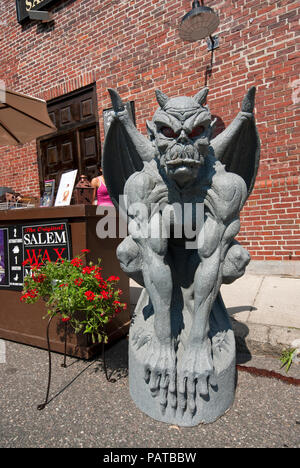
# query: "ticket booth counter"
[23,322]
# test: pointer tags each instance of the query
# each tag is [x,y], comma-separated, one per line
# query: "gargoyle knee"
[128,254]
[235,262]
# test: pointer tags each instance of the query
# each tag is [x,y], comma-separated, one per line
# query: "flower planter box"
[24,323]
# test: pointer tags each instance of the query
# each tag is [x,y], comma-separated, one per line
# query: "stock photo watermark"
[153,221]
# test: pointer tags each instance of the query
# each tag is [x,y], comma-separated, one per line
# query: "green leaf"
[287,358]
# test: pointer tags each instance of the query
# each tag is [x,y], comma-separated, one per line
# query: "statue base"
[220,397]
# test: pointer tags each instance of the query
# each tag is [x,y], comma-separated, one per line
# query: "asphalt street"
[85,410]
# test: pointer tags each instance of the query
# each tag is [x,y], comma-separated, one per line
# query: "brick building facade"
[134,46]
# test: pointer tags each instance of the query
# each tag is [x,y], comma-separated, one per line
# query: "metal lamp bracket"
[213,42]
[39,15]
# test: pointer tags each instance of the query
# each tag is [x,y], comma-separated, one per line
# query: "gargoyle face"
[181,130]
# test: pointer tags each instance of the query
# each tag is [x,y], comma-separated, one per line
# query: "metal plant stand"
[42,406]
[65,352]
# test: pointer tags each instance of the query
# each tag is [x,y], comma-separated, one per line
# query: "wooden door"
[76,144]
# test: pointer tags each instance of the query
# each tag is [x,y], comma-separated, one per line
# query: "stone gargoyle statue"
[181,345]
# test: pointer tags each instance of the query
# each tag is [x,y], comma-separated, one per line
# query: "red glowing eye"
[197,131]
[168,132]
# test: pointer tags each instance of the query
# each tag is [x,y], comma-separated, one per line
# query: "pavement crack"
[256,295]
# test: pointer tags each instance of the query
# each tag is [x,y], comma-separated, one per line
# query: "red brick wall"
[270,220]
[134,46]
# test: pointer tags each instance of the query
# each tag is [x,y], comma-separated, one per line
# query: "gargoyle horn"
[161,98]
[200,97]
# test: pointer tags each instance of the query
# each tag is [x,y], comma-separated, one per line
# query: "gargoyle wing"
[125,150]
[238,146]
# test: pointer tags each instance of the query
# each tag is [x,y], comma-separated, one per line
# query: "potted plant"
[77,292]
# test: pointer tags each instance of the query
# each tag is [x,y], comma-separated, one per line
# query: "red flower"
[24,297]
[63,285]
[119,304]
[98,276]
[32,293]
[39,279]
[76,262]
[88,270]
[104,294]
[113,278]
[78,281]
[90,295]
[85,250]
[65,319]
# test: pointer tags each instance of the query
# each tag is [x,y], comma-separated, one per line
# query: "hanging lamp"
[198,23]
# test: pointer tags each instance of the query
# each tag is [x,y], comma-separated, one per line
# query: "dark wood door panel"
[89,151]
[58,155]
[74,109]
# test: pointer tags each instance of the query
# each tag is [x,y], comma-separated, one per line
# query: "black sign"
[15,257]
[24,246]
[23,6]
[4,277]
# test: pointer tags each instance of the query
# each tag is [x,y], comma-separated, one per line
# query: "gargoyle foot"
[160,373]
[195,374]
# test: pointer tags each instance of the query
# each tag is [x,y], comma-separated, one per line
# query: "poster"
[48,196]
[45,243]
[32,244]
[65,188]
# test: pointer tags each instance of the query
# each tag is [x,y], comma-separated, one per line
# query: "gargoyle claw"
[160,374]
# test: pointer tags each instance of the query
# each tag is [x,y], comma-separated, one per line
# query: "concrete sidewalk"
[265,311]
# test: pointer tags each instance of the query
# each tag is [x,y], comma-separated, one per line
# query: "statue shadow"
[116,355]
[241,331]
[75,341]
[116,359]
[135,292]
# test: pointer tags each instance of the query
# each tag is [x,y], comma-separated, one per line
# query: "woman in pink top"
[101,195]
